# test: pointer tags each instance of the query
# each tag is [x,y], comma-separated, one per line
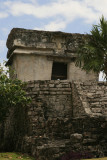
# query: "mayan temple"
[68,114]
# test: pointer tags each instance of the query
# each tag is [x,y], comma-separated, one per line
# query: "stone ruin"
[42,55]
[67,118]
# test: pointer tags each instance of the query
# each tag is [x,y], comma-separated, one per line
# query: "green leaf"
[92,55]
[12,93]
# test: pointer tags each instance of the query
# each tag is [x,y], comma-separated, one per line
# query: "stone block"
[52,85]
[76,137]
[52,93]
[66,93]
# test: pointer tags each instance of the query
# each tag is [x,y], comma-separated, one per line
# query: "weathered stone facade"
[67,118]
[34,55]
[60,121]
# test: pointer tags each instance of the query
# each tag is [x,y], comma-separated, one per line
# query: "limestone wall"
[60,122]
[52,97]
[31,67]
[77,74]
[90,136]
[46,125]
[36,67]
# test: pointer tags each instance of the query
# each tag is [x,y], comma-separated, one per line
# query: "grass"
[97,159]
[14,156]
[20,156]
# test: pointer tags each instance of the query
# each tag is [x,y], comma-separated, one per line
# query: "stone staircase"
[61,117]
[92,96]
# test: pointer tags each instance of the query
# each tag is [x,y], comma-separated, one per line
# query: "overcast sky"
[74,16]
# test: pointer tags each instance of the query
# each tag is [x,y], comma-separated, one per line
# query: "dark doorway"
[59,71]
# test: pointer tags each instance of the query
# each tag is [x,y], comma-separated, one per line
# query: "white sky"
[74,16]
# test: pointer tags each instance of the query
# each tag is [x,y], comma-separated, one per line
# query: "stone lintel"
[50,53]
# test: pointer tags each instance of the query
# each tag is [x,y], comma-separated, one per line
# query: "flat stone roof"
[20,37]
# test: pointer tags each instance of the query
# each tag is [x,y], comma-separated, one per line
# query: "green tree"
[11,93]
[93,54]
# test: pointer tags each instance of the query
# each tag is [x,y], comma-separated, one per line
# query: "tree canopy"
[93,54]
[11,93]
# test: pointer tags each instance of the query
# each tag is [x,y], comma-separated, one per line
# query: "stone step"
[52,150]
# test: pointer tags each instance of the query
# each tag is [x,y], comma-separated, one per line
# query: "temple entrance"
[59,71]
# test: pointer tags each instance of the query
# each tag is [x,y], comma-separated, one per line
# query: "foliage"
[11,93]
[93,55]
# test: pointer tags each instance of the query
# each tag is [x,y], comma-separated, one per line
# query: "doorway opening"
[59,71]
